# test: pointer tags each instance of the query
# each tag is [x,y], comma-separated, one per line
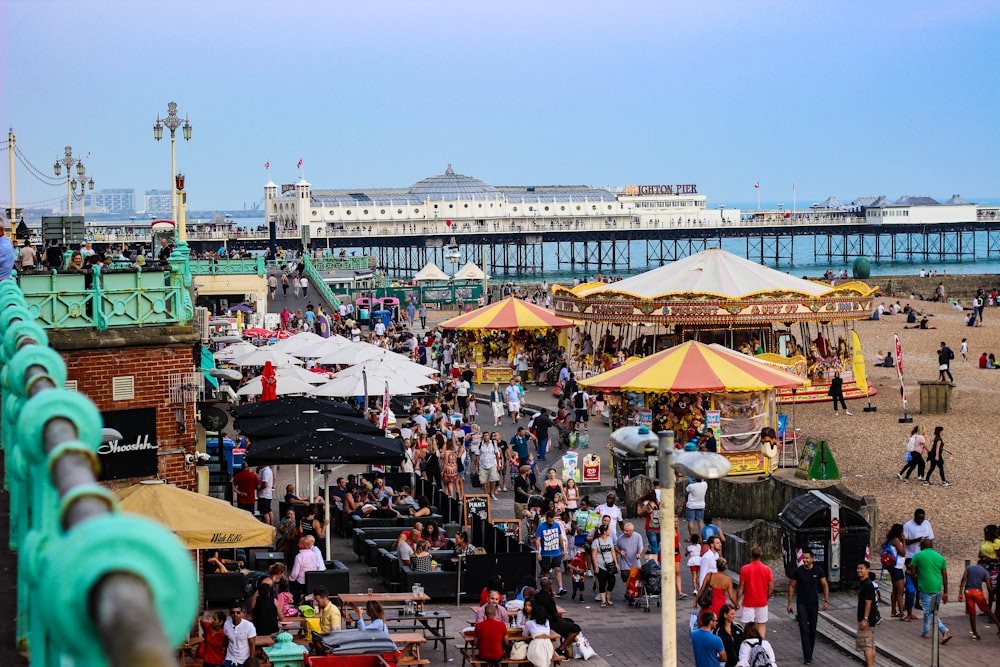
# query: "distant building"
[158,202]
[113,200]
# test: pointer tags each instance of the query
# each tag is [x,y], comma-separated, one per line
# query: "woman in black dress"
[935,457]
[730,632]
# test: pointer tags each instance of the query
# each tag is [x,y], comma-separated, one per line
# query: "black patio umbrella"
[258,428]
[285,405]
[325,445]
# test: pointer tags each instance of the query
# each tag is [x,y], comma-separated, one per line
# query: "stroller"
[648,584]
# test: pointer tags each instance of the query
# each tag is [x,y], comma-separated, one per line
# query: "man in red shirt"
[491,637]
[245,484]
[755,589]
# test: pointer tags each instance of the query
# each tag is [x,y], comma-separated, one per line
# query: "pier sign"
[641,190]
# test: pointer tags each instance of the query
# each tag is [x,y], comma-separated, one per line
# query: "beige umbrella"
[300,341]
[235,350]
[284,385]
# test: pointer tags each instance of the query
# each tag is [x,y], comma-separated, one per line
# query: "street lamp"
[706,465]
[172,122]
[85,181]
[68,161]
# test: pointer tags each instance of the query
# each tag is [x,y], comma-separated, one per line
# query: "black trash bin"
[837,536]
[626,467]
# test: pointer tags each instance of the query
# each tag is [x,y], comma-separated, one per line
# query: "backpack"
[758,655]
[888,559]
[578,400]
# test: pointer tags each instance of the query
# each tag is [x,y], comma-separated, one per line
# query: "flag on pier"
[300,164]
[267,165]
[756,186]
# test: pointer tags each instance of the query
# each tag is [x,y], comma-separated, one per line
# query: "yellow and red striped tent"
[509,314]
[694,367]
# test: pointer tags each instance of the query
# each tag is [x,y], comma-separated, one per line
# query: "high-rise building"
[113,200]
[158,202]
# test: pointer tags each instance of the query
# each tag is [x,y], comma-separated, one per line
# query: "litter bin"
[836,535]
[626,467]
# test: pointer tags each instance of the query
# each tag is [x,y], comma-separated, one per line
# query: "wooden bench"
[469,657]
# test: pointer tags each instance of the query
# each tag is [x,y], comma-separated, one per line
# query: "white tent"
[298,342]
[261,356]
[430,272]
[235,350]
[469,272]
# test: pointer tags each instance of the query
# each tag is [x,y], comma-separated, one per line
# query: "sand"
[870,446]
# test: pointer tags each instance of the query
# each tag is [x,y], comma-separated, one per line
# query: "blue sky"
[886,98]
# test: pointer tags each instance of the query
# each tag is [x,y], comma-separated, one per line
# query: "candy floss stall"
[704,393]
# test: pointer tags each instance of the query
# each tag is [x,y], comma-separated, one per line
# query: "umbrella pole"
[297,478]
[329,514]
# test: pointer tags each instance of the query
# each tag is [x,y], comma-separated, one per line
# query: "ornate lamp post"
[68,161]
[172,122]
[85,182]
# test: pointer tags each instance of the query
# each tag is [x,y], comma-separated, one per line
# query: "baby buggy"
[648,584]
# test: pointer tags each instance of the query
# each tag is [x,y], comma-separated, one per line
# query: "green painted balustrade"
[238,266]
[102,299]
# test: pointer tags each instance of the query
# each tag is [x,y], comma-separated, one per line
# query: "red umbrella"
[269,383]
[257,332]
[282,334]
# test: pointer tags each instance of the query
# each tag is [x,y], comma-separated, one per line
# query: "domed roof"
[450,185]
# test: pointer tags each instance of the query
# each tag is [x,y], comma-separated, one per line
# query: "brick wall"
[151,368]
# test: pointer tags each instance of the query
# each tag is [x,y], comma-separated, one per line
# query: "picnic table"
[431,624]
[409,644]
[385,599]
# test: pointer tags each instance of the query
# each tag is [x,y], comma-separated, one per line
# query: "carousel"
[714,296]
[713,398]
[491,339]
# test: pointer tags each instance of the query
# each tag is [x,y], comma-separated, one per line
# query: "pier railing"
[124,587]
[235,266]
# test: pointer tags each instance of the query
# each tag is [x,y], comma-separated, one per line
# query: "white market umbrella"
[301,374]
[353,384]
[354,353]
[298,342]
[285,385]
[399,363]
[261,356]
[235,350]
[323,346]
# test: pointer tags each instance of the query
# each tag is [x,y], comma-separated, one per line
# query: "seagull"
[88,155]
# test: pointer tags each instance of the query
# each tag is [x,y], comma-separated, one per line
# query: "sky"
[846,99]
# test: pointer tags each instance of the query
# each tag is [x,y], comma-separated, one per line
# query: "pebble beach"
[869,447]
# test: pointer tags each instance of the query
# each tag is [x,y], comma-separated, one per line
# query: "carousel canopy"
[430,272]
[714,287]
[510,314]
[694,367]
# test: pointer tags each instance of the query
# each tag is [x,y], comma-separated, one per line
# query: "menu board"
[477,504]
[510,527]
[809,452]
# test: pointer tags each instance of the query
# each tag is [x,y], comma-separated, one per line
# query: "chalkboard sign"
[477,504]
[809,452]
[510,527]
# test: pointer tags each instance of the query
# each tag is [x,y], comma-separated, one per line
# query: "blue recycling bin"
[211,444]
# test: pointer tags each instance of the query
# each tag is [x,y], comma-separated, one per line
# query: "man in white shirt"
[379,328]
[695,507]
[356,334]
[611,510]
[914,530]
[462,395]
[265,494]
[708,559]
[241,637]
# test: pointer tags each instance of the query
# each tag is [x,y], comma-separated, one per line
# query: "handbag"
[519,651]
[705,599]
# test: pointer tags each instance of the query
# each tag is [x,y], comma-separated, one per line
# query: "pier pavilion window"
[348,211]
[382,212]
[399,211]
